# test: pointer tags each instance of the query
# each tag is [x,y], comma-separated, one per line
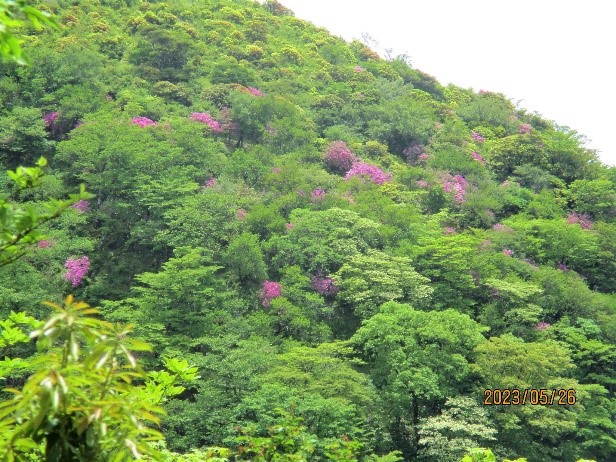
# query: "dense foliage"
[328,256]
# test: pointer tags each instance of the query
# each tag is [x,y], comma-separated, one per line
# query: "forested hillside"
[331,256]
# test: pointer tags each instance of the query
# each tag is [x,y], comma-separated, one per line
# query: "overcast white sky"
[555,57]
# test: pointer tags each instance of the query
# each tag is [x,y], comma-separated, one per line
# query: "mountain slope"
[319,230]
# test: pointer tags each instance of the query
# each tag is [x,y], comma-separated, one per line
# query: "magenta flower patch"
[143,121]
[77,269]
[269,291]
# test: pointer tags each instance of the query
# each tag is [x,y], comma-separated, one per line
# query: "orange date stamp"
[533,396]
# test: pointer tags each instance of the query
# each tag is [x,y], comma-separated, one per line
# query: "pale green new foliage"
[162,384]
[515,305]
[80,400]
[10,13]
[12,333]
[462,424]
[324,240]
[371,279]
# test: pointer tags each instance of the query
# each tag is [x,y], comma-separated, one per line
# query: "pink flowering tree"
[207,119]
[317,195]
[255,92]
[478,158]
[227,124]
[476,136]
[44,244]
[82,206]
[525,129]
[269,291]
[376,175]
[456,185]
[50,117]
[77,268]
[143,121]
[324,286]
[582,219]
[413,153]
[339,157]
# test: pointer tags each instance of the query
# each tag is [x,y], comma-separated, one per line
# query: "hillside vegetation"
[327,255]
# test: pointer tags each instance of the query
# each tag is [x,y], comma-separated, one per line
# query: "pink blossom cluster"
[50,118]
[376,174]
[456,184]
[324,286]
[508,252]
[255,91]
[413,152]
[542,326]
[339,157]
[241,214]
[501,227]
[359,69]
[561,266]
[422,183]
[276,170]
[77,269]
[44,244]
[317,195]
[82,206]
[477,137]
[583,219]
[211,182]
[525,128]
[207,119]
[449,230]
[423,157]
[269,291]
[143,121]
[226,123]
[289,226]
[478,158]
